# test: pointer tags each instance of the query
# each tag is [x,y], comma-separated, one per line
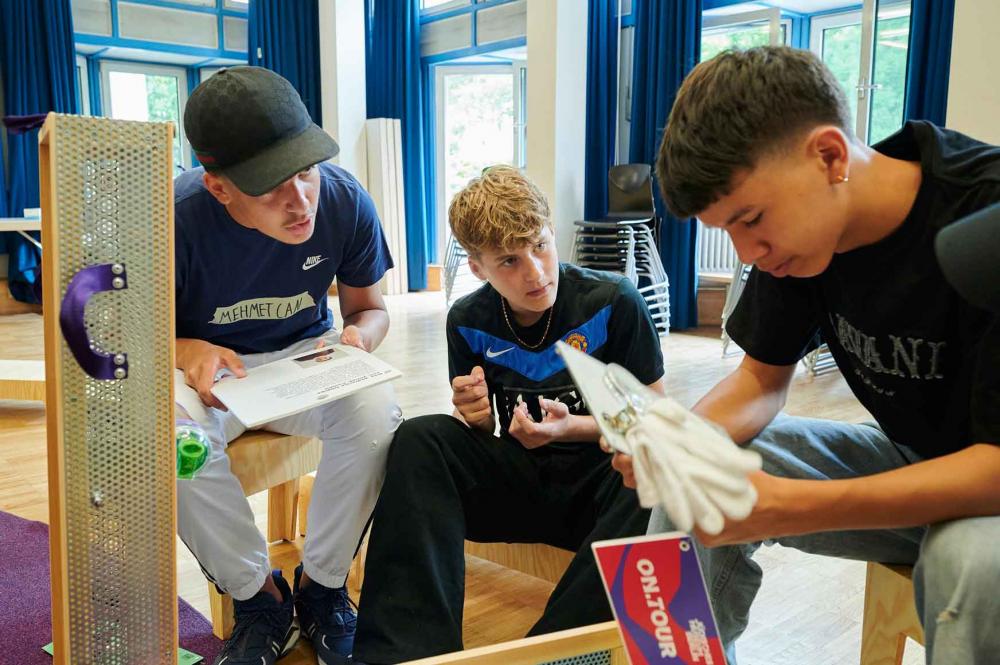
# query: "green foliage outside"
[161,100]
[715,42]
[478,126]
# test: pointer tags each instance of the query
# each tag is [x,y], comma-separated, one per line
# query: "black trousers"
[446,483]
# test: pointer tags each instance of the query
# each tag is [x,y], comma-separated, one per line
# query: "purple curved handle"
[87,282]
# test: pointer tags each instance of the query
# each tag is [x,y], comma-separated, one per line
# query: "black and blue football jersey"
[597,312]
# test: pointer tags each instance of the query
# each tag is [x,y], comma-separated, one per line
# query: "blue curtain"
[283,36]
[38,66]
[667,47]
[928,60]
[602,102]
[395,90]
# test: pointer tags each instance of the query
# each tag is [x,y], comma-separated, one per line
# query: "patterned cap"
[249,124]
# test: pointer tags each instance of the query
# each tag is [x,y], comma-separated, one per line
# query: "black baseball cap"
[249,124]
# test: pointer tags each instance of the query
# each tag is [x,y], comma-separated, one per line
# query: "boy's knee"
[424,437]
[960,557]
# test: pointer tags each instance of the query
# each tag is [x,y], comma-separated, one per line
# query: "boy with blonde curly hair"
[543,479]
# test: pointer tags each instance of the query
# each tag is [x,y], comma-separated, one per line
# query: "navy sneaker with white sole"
[327,618]
[265,629]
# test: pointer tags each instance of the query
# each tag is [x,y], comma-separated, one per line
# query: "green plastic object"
[192,449]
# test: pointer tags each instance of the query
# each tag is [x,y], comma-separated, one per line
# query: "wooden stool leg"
[222,612]
[282,511]
[305,494]
[356,576]
[889,617]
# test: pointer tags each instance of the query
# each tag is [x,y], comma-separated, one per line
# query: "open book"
[300,382]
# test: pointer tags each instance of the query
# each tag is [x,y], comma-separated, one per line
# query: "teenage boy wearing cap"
[261,231]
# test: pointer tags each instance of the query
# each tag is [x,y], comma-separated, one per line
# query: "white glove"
[691,467]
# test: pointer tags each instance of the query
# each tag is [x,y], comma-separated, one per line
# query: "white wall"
[342,68]
[974,86]
[556,122]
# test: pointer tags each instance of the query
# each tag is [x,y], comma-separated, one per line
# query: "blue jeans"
[956,575]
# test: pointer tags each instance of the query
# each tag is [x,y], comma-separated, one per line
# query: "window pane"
[146,97]
[742,37]
[891,39]
[427,4]
[842,54]
[478,126]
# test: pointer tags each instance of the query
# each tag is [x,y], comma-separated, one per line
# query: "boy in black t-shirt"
[841,236]
[544,479]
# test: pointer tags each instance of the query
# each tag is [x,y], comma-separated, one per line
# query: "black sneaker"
[265,630]
[328,618]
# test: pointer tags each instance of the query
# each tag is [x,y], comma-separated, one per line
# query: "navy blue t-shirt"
[248,292]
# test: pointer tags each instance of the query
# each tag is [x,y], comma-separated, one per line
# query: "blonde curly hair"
[500,210]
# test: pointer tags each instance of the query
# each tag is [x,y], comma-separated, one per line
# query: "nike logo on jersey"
[313,261]
[490,353]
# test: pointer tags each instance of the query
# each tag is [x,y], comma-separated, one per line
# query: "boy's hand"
[621,463]
[201,361]
[471,397]
[553,427]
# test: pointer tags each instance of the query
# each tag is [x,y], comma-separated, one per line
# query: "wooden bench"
[890,615]
[22,380]
[276,463]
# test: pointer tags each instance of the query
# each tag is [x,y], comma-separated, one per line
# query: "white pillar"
[342,68]
[557,109]
[973,99]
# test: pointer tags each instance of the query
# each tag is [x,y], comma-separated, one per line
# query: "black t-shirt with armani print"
[597,312]
[924,362]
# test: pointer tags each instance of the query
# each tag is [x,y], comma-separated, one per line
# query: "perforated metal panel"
[107,197]
[596,658]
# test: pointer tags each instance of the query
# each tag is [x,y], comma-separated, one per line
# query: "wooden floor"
[808,611]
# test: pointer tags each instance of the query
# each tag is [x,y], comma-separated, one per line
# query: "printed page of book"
[300,382]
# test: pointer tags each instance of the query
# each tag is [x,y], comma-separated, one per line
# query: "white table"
[22,225]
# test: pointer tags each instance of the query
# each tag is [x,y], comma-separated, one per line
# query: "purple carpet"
[25,603]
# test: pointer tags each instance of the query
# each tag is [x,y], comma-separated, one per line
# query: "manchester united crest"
[578,341]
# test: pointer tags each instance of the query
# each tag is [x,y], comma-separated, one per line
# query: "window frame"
[84,83]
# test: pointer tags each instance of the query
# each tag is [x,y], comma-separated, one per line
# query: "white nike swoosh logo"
[490,353]
[310,266]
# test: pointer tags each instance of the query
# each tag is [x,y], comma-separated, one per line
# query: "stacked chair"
[818,361]
[625,240]
[458,277]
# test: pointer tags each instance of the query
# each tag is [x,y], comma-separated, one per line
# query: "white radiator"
[385,184]
[716,253]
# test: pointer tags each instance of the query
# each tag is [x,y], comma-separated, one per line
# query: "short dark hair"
[735,108]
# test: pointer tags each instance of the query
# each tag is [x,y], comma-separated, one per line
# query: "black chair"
[630,192]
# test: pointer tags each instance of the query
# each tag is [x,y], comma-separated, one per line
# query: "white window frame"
[520,72]
[205,73]
[81,62]
[108,66]
[520,130]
